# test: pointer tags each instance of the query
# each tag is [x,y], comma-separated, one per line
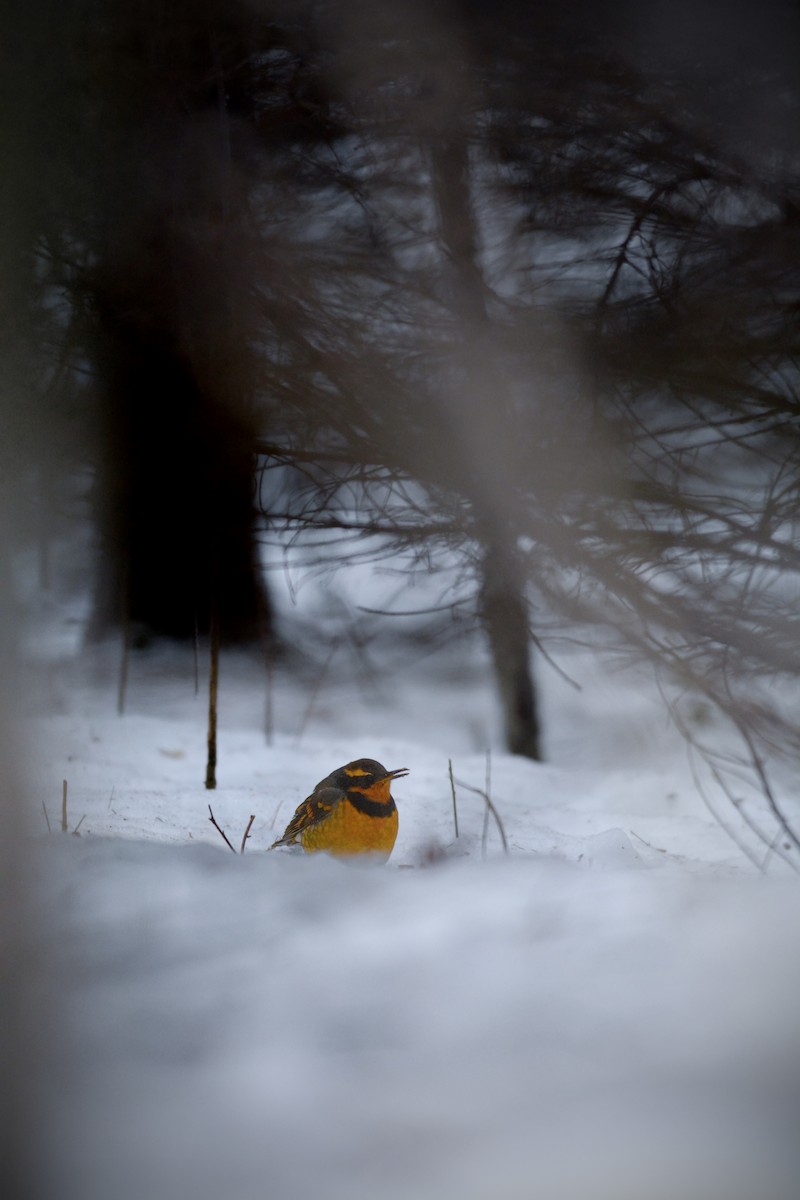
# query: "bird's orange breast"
[347,831]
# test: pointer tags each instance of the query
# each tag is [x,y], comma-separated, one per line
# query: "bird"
[350,812]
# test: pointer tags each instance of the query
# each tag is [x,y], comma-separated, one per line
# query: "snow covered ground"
[610,1010]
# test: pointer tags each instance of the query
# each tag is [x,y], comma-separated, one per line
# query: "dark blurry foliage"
[517,282]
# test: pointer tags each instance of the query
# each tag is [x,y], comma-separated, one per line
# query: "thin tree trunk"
[482,409]
[504,613]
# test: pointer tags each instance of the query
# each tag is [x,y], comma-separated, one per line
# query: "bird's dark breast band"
[370,808]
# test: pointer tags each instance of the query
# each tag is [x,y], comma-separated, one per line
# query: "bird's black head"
[363,774]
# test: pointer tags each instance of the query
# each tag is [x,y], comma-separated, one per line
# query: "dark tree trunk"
[504,613]
[480,423]
[170,288]
[175,501]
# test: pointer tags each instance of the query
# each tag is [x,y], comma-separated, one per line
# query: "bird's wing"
[317,807]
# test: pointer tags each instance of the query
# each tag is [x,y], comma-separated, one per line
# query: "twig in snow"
[488,792]
[247,831]
[64,824]
[219,830]
[47,819]
[213,683]
[490,807]
[453,790]
[649,845]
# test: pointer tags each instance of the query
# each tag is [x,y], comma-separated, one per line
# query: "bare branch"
[219,830]
[453,791]
[491,808]
[247,832]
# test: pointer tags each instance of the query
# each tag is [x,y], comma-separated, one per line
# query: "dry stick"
[453,790]
[213,682]
[649,845]
[64,806]
[77,827]
[491,808]
[219,830]
[47,819]
[485,833]
[247,831]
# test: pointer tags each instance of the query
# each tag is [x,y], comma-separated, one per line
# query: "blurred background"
[497,301]
[506,294]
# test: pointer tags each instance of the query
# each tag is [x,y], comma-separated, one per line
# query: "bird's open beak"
[398,774]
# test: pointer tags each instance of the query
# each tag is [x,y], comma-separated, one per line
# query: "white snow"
[610,1010]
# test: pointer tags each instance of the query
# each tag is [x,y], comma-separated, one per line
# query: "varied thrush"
[351,812]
